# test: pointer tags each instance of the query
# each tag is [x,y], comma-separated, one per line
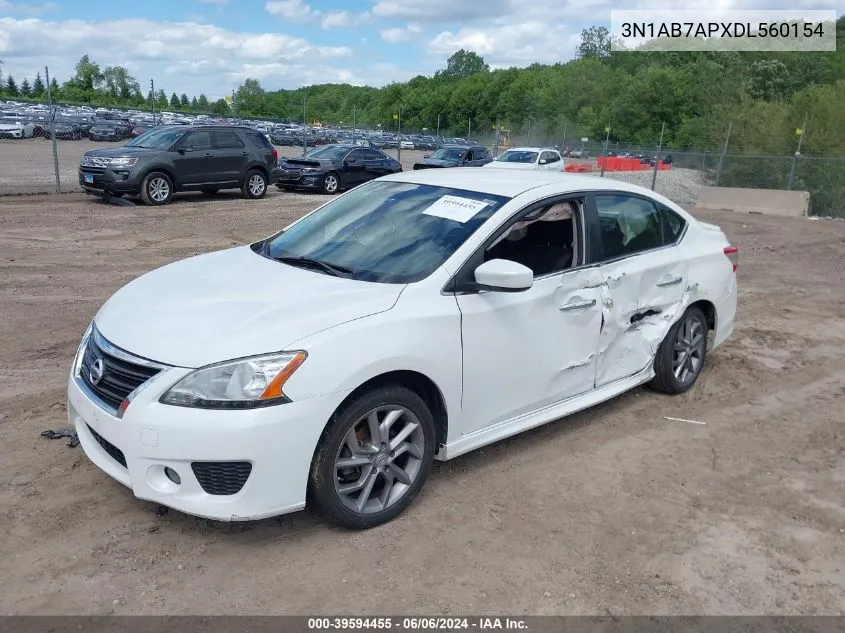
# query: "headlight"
[122,162]
[311,170]
[245,383]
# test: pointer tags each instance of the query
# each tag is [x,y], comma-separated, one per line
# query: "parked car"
[67,130]
[406,144]
[182,158]
[456,156]
[330,168]
[16,128]
[579,153]
[110,130]
[286,139]
[536,158]
[417,317]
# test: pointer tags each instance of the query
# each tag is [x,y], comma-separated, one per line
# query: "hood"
[113,152]
[496,164]
[230,304]
[438,162]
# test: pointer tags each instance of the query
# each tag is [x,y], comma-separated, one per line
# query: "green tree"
[38,88]
[11,87]
[221,107]
[161,100]
[194,103]
[183,102]
[595,43]
[25,89]
[88,75]
[463,63]
[174,102]
[202,103]
[55,91]
[768,80]
[119,84]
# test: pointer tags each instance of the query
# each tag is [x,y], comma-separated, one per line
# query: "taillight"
[275,155]
[732,253]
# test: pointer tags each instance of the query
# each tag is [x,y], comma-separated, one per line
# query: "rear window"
[259,139]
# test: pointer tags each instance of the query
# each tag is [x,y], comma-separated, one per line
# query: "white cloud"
[290,9]
[182,57]
[397,35]
[442,11]
[344,19]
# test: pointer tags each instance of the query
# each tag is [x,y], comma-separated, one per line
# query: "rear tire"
[254,185]
[156,188]
[680,357]
[386,438]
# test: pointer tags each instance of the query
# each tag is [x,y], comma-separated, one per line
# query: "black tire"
[254,185]
[665,379]
[156,181]
[210,191]
[331,183]
[322,494]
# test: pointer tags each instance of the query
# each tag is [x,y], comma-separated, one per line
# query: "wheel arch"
[421,385]
[168,171]
[709,310]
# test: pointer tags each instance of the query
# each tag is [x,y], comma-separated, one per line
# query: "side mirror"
[185,150]
[427,156]
[503,275]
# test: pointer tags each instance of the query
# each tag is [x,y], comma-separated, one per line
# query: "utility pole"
[353,121]
[722,157]
[306,130]
[496,142]
[437,140]
[469,130]
[53,130]
[399,136]
[797,155]
[529,131]
[606,141]
[657,157]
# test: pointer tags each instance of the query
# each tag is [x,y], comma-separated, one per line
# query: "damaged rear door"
[644,275]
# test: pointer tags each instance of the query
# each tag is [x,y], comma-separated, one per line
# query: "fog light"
[172,475]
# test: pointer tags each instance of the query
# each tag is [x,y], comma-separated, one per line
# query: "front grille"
[288,175]
[222,478]
[119,378]
[114,452]
[95,161]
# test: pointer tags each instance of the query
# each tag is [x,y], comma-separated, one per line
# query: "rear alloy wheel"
[680,358]
[373,458]
[331,183]
[255,185]
[156,188]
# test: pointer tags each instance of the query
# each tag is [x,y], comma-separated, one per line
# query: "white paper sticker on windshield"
[455,208]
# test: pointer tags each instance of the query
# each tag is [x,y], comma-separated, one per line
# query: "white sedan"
[11,128]
[536,158]
[416,317]
[406,144]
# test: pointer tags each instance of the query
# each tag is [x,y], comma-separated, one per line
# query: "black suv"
[180,158]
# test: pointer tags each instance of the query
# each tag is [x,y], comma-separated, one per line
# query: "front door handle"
[672,281]
[577,304]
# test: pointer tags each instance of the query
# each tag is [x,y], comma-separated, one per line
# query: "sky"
[211,46]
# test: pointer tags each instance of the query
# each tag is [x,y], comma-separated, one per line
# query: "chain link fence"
[730,160]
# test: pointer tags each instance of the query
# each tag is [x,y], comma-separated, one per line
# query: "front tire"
[331,183]
[680,357]
[156,188]
[373,458]
[254,185]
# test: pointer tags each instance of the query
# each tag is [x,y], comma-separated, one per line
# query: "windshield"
[447,154]
[331,152]
[157,139]
[512,156]
[387,232]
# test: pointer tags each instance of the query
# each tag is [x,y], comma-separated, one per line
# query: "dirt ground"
[615,510]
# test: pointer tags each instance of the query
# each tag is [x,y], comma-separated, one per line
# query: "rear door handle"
[672,281]
[577,304]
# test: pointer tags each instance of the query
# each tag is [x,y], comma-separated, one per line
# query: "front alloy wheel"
[373,458]
[330,184]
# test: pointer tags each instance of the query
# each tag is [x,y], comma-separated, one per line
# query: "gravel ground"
[679,185]
[615,510]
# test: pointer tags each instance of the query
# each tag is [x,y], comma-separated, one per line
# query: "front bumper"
[298,180]
[277,443]
[115,181]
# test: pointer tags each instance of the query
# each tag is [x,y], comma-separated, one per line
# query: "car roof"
[511,183]
[530,149]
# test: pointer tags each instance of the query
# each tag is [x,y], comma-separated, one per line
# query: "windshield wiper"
[308,262]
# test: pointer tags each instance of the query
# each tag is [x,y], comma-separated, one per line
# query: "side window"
[355,154]
[198,140]
[469,156]
[544,240]
[551,157]
[673,225]
[482,154]
[371,154]
[227,140]
[629,225]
